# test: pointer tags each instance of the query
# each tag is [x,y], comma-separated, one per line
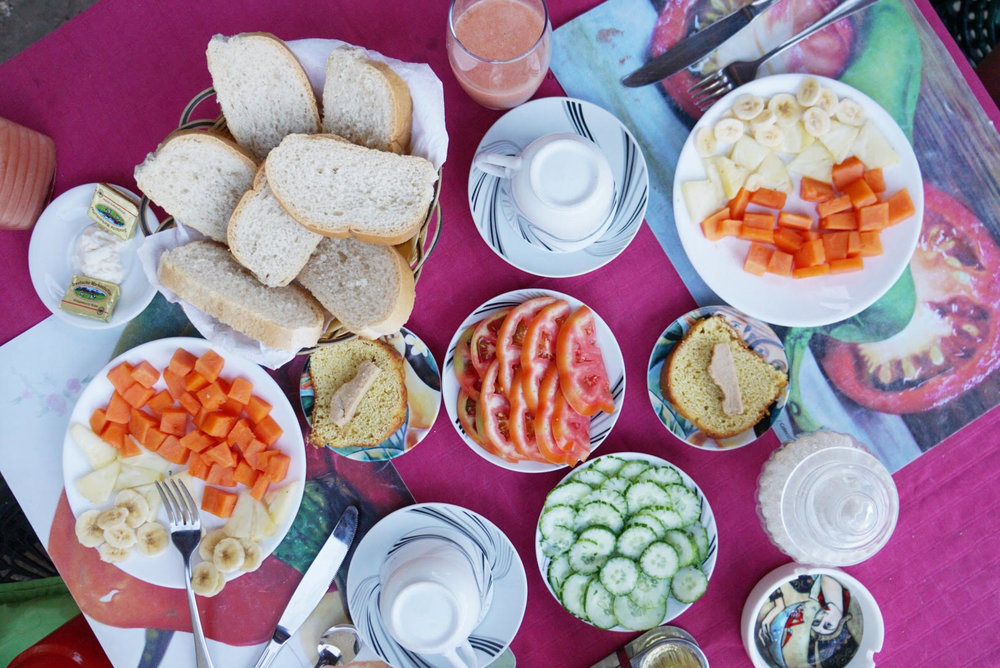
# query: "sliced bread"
[382,409]
[368,287]
[262,89]
[688,384]
[340,189]
[366,102]
[197,177]
[204,274]
[266,240]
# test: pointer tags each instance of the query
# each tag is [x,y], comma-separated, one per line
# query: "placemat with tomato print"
[922,361]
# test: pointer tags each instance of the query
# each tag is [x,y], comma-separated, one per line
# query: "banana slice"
[787,111]
[705,142]
[229,555]
[112,517]
[808,93]
[122,536]
[136,505]
[728,130]
[827,101]
[764,118]
[254,555]
[151,539]
[206,580]
[816,121]
[850,112]
[747,105]
[87,531]
[206,548]
[769,135]
[113,555]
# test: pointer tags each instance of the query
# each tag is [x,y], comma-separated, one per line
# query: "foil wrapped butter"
[90,297]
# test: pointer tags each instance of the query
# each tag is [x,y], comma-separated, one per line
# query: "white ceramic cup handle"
[462,656]
[498,164]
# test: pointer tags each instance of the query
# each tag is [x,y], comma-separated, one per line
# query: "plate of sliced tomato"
[534,380]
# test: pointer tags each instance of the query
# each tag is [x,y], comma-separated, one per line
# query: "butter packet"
[91,298]
[115,211]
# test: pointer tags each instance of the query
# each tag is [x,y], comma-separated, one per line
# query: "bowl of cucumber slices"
[626,542]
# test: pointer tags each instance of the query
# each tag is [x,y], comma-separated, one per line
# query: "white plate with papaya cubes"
[94,475]
[719,157]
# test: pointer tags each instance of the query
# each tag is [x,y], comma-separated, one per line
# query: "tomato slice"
[522,423]
[511,337]
[468,378]
[571,431]
[545,439]
[468,408]
[494,417]
[582,375]
[538,352]
[483,345]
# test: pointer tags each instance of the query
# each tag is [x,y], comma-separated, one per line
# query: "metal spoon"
[335,642]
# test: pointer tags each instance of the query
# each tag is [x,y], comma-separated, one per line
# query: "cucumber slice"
[586,557]
[557,573]
[599,606]
[636,618]
[556,516]
[568,493]
[700,535]
[650,592]
[648,520]
[685,502]
[666,516]
[683,542]
[646,494]
[635,539]
[574,594]
[602,537]
[590,476]
[658,560]
[615,498]
[608,464]
[632,469]
[559,540]
[689,584]
[619,575]
[662,475]
[599,513]
[616,483]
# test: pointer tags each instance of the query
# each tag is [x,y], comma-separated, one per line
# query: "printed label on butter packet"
[91,298]
[115,211]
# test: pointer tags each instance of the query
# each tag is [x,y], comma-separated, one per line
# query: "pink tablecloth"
[111,83]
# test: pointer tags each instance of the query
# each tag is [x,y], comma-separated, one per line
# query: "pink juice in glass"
[499,50]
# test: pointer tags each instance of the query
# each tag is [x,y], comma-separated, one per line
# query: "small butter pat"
[347,397]
[722,369]
[90,297]
[114,211]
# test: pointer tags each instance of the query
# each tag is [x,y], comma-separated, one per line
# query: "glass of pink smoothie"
[499,50]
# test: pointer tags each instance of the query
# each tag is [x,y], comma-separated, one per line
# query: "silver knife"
[695,47]
[313,584]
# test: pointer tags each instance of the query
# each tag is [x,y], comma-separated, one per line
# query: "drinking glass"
[499,50]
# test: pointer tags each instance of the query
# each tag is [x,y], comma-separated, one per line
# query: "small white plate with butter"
[53,261]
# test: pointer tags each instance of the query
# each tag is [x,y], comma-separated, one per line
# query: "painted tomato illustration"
[953,340]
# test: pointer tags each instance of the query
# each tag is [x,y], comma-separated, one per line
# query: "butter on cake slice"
[687,380]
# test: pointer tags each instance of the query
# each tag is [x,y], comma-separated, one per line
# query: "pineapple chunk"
[702,198]
[240,523]
[730,175]
[748,152]
[795,139]
[97,485]
[774,175]
[840,139]
[815,162]
[136,476]
[872,148]
[97,452]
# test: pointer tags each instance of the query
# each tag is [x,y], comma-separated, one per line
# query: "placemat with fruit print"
[922,361]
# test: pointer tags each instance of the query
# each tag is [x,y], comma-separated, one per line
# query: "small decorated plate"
[507,232]
[423,399]
[761,339]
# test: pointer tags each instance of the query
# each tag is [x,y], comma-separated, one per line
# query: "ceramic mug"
[435,591]
[562,184]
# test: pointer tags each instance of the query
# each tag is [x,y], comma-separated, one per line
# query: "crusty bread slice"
[340,189]
[262,89]
[197,177]
[382,409]
[265,239]
[686,383]
[204,274]
[368,287]
[366,102]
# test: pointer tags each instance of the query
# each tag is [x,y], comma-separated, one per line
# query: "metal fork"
[723,80]
[185,532]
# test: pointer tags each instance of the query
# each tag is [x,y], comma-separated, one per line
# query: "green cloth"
[31,610]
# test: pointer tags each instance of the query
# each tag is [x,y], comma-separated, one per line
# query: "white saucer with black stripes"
[504,228]
[509,582]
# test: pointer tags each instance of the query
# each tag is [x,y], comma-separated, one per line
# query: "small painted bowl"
[761,339]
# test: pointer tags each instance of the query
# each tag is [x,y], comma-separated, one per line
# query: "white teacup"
[433,596]
[562,184]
